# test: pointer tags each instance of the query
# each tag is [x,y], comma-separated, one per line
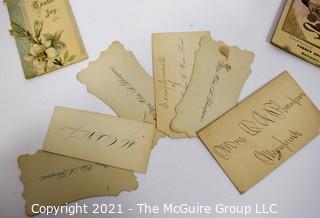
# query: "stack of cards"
[90,155]
[196,85]
[196,80]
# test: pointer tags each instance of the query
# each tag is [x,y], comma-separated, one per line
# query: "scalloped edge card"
[118,79]
[219,74]
[173,58]
[54,180]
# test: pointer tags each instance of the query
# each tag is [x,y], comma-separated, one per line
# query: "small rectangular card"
[260,133]
[46,35]
[298,31]
[100,138]
[218,76]
[53,180]
[120,81]
[173,58]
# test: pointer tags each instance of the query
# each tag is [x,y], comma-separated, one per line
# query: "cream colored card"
[263,131]
[53,180]
[100,138]
[218,76]
[120,81]
[46,35]
[173,58]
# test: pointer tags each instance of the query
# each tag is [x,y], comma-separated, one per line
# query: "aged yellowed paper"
[119,80]
[218,76]
[53,180]
[46,34]
[298,30]
[173,58]
[263,131]
[100,138]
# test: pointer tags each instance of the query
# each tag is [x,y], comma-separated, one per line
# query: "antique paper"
[173,58]
[298,30]
[53,180]
[100,138]
[263,131]
[120,81]
[218,76]
[46,34]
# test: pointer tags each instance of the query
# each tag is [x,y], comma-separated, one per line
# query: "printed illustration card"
[46,35]
[173,58]
[218,76]
[53,180]
[100,138]
[298,30]
[260,133]
[119,80]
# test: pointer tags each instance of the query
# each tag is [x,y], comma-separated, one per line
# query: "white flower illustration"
[41,57]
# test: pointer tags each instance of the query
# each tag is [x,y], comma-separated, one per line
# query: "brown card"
[173,58]
[100,138]
[298,30]
[263,131]
[218,76]
[53,180]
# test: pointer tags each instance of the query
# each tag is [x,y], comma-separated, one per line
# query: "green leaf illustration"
[58,62]
[58,44]
[17,33]
[17,27]
[57,35]
[38,26]
[47,36]
[66,55]
[31,39]
[71,58]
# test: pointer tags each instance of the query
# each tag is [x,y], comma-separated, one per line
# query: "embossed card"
[46,35]
[100,138]
[263,131]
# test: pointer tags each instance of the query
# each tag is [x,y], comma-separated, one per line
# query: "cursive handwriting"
[95,137]
[214,82]
[61,174]
[225,149]
[268,115]
[182,65]
[272,156]
[132,90]
[164,84]
[40,4]
[50,12]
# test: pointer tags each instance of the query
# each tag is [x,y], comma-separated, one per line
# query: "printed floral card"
[46,34]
